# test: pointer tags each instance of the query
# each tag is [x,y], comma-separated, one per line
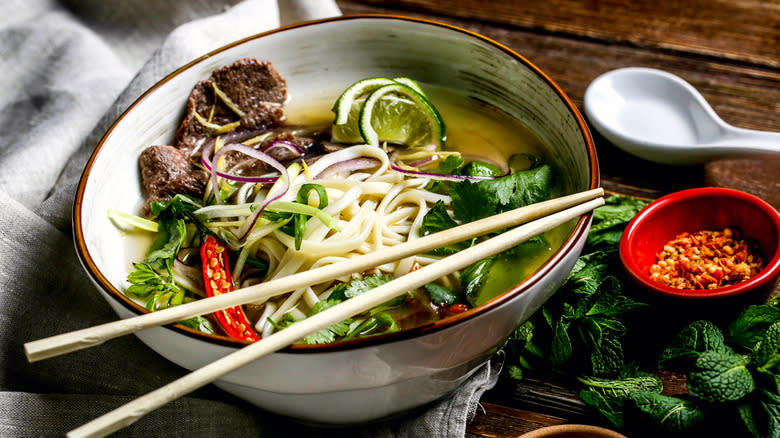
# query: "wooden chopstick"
[88,337]
[130,412]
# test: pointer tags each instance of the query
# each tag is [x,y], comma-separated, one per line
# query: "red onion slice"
[352,165]
[262,156]
[283,144]
[252,152]
[230,137]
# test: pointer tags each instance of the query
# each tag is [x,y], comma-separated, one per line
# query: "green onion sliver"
[131,219]
[294,207]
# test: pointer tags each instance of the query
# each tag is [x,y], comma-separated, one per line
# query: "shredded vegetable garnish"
[131,219]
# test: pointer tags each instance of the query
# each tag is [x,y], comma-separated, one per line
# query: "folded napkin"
[69,68]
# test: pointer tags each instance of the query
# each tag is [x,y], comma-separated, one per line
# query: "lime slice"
[349,132]
[409,82]
[344,103]
[396,113]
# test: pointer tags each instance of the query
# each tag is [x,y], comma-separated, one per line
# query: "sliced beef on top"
[166,171]
[253,86]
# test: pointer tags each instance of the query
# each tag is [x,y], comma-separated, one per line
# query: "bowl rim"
[572,429]
[567,246]
[628,240]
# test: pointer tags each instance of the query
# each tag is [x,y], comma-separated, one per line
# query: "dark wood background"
[728,49]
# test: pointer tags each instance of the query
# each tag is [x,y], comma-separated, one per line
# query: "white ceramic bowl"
[374,378]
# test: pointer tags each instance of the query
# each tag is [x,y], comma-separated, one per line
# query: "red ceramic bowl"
[708,208]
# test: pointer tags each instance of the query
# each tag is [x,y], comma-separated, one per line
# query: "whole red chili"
[216,278]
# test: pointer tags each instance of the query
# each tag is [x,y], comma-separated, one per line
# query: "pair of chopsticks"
[537,219]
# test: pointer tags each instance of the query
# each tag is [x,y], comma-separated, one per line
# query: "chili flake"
[706,260]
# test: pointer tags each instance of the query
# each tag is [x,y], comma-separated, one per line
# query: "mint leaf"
[762,415]
[587,275]
[623,387]
[609,221]
[685,348]
[607,357]
[720,377]
[561,347]
[610,300]
[610,408]
[750,325]
[766,353]
[672,414]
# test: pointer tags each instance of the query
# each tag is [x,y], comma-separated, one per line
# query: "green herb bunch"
[732,379]
[605,339]
[580,330]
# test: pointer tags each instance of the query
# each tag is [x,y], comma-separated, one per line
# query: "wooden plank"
[496,420]
[742,30]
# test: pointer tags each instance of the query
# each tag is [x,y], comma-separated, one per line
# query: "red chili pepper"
[216,278]
[458,308]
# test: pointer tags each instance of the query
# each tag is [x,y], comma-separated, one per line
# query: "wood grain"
[745,31]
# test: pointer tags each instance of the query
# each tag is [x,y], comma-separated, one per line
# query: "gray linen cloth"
[69,68]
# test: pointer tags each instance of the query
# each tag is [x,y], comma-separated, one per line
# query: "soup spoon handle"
[129,413]
[748,141]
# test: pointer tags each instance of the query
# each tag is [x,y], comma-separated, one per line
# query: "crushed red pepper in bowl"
[706,260]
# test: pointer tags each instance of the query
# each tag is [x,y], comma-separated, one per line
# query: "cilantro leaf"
[357,286]
[476,200]
[327,335]
[451,164]
[473,277]
[442,296]
[172,229]
[480,168]
[378,324]
[438,219]
[198,323]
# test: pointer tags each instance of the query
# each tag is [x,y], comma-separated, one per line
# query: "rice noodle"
[373,209]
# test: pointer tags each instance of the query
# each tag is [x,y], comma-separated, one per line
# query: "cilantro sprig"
[376,321]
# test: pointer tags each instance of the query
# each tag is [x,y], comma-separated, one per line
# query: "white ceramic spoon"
[659,117]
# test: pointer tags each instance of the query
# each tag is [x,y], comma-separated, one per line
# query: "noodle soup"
[315,202]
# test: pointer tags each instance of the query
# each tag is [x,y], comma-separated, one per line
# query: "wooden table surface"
[728,49]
